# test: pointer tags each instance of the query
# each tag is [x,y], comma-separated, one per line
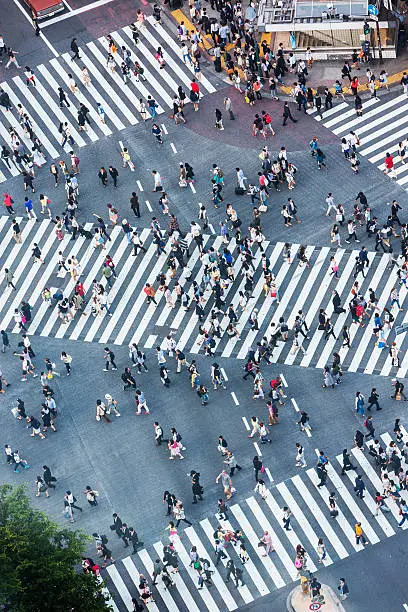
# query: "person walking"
[266,541]
[75,49]
[49,479]
[359,487]
[287,114]
[300,456]
[109,359]
[347,465]
[343,589]
[360,534]
[287,513]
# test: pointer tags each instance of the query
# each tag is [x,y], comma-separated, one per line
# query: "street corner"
[299,600]
[238,132]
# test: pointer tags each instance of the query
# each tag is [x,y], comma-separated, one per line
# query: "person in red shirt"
[389,163]
[79,288]
[195,86]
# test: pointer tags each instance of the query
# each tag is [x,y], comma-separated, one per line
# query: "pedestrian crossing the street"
[119,100]
[262,575]
[133,320]
[380,129]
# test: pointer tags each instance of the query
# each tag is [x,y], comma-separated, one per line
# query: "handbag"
[263,469]
[14,412]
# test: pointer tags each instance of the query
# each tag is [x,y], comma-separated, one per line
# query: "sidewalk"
[323,73]
[298,602]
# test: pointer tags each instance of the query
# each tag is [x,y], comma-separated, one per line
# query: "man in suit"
[117,525]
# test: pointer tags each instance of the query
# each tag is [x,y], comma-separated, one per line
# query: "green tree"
[39,561]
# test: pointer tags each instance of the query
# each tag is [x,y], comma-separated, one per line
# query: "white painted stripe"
[376,482]
[382,144]
[177,579]
[204,593]
[368,337]
[78,11]
[369,502]
[126,297]
[320,295]
[150,341]
[70,286]
[242,590]
[283,379]
[108,598]
[319,516]
[149,206]
[373,284]
[44,308]
[173,148]
[109,112]
[386,129]
[5,241]
[340,321]
[193,189]
[223,372]
[257,449]
[120,586]
[234,397]
[173,45]
[291,535]
[26,15]
[210,225]
[296,407]
[139,185]
[258,288]
[401,372]
[122,275]
[246,424]
[38,131]
[53,106]
[269,475]
[216,578]
[266,526]
[349,113]
[328,113]
[116,78]
[346,528]
[405,606]
[163,127]
[93,273]
[301,519]
[249,565]
[30,273]
[145,54]
[253,539]
[264,311]
[365,125]
[310,283]
[13,256]
[113,96]
[135,576]
[59,69]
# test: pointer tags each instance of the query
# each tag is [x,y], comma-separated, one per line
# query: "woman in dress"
[86,79]
[175,450]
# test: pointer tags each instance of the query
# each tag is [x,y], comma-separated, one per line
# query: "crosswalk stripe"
[126,297]
[340,519]
[291,534]
[371,474]
[108,597]
[118,80]
[256,293]
[180,584]
[164,592]
[80,97]
[254,540]
[204,592]
[171,43]
[312,312]
[249,565]
[135,577]
[120,586]
[216,578]
[5,241]
[382,144]
[396,110]
[209,530]
[384,130]
[266,526]
[323,522]
[150,76]
[370,503]
[329,112]
[53,106]
[38,131]
[348,113]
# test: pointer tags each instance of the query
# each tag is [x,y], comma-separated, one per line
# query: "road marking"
[258,450]
[192,188]
[150,341]
[164,128]
[224,374]
[74,12]
[149,206]
[283,379]
[67,5]
[173,148]
[247,427]
[268,473]
[47,42]
[139,185]
[210,225]
[296,407]
[234,397]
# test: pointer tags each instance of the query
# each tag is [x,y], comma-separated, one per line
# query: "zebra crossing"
[262,575]
[380,129]
[120,101]
[133,320]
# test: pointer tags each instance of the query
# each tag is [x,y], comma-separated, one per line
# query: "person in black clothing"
[170,500]
[117,525]
[127,378]
[196,486]
[48,478]
[125,534]
[103,175]
[336,303]
[322,474]
[75,49]
[134,204]
[373,400]
[257,463]
[133,538]
[395,207]
[328,102]
[109,359]
[347,465]
[62,98]
[399,389]
[287,114]
[114,175]
[362,198]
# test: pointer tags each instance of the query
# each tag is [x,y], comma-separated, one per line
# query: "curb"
[332,601]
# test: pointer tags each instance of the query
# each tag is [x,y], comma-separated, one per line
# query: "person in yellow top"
[360,535]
